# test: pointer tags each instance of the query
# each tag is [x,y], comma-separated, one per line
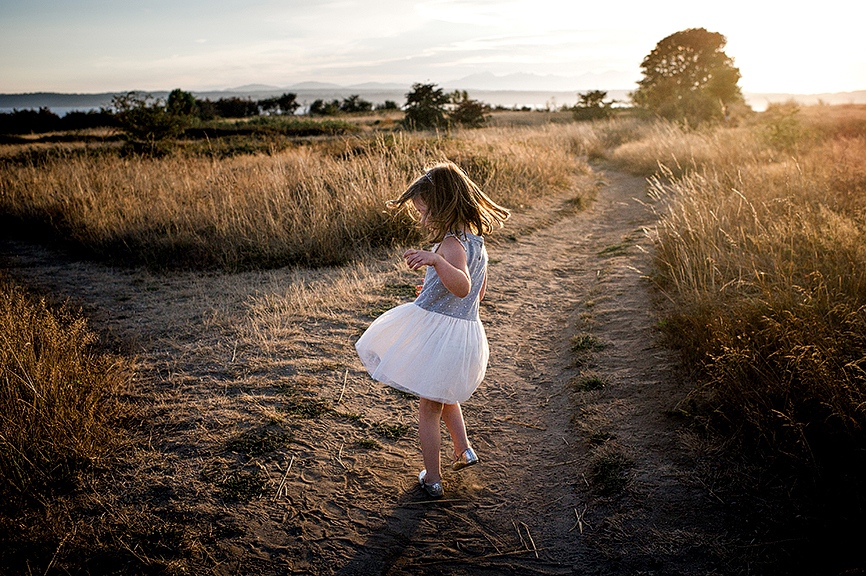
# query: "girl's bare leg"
[429,414]
[453,417]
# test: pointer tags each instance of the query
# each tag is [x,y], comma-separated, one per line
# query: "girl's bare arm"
[450,263]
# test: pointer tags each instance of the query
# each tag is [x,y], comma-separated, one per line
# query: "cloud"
[96,45]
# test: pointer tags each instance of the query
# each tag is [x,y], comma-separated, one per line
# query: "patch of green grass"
[400,290]
[307,407]
[262,442]
[586,342]
[572,206]
[376,312]
[609,471]
[241,485]
[620,249]
[578,202]
[589,383]
[368,444]
[351,417]
[391,431]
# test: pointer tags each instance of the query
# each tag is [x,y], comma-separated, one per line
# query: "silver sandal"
[433,490]
[467,458]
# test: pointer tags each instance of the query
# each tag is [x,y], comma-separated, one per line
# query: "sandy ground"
[261,446]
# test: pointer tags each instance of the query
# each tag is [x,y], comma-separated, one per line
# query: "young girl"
[435,347]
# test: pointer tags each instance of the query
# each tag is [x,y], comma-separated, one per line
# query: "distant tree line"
[137,109]
[353,103]
[44,120]
[147,118]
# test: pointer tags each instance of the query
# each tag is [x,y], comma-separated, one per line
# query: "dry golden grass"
[681,150]
[56,395]
[845,121]
[763,251]
[316,204]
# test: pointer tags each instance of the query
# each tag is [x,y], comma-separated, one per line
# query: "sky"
[91,46]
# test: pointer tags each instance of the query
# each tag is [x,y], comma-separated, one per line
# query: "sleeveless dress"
[434,347]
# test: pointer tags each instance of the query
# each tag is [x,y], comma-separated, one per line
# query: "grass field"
[58,403]
[760,255]
[305,202]
[317,203]
[762,251]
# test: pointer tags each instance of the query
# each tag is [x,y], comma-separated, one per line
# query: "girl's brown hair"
[454,201]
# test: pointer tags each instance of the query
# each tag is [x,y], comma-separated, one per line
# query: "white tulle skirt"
[424,353]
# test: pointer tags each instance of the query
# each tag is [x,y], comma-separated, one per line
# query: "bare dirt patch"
[262,447]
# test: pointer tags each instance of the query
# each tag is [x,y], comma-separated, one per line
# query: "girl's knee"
[431,406]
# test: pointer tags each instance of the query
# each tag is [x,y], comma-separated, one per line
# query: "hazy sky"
[114,45]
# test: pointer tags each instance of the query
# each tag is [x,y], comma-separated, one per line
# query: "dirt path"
[249,383]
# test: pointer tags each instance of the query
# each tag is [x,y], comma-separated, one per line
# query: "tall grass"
[317,204]
[55,395]
[763,251]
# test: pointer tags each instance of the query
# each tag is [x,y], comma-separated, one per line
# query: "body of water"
[61,104]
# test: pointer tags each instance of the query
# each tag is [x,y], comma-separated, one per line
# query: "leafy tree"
[145,118]
[355,103]
[285,104]
[44,120]
[425,107]
[235,107]
[29,121]
[387,105]
[181,103]
[689,76]
[288,103]
[321,108]
[466,111]
[77,120]
[457,96]
[206,109]
[591,105]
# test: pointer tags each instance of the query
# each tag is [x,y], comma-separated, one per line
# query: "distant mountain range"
[520,82]
[522,89]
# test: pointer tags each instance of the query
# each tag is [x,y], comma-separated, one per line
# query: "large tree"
[145,118]
[285,104]
[425,107]
[180,103]
[689,76]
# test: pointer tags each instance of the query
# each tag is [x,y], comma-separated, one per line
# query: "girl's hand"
[449,260]
[417,258]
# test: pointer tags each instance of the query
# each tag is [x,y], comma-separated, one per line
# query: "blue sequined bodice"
[435,297]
